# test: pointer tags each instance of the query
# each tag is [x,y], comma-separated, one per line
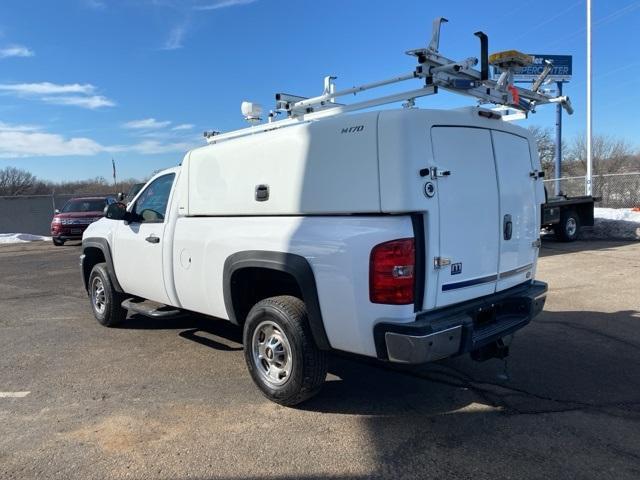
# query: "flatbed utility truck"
[407,235]
[567,215]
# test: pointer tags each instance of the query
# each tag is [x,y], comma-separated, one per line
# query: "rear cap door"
[519,222]
[468,221]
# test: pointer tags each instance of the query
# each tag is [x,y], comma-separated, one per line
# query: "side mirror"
[116,211]
[120,196]
[56,211]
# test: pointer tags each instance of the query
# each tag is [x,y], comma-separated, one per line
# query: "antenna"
[251,112]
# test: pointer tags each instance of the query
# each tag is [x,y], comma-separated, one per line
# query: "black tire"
[57,242]
[287,316]
[569,227]
[111,312]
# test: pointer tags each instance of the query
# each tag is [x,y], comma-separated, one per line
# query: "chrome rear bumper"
[426,348]
[461,328]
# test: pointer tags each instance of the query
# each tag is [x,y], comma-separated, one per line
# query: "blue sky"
[82,81]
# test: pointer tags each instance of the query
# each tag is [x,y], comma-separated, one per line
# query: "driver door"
[138,245]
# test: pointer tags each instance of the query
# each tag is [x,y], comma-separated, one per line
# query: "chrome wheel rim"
[271,352]
[98,297]
[572,226]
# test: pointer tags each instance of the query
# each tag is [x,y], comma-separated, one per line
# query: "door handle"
[507,227]
[153,239]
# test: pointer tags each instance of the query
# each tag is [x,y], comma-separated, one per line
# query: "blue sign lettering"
[561,71]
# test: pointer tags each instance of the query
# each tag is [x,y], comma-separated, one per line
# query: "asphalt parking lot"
[173,400]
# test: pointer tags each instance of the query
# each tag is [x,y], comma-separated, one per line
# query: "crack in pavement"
[455,378]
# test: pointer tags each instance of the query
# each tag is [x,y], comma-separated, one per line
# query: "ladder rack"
[435,71]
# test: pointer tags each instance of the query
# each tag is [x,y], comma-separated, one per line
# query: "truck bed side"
[336,247]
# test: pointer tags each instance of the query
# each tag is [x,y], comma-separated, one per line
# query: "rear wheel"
[280,353]
[568,228]
[58,242]
[105,300]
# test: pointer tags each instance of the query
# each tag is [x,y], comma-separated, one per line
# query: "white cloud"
[73,94]
[152,147]
[91,102]
[176,37]
[16,141]
[183,126]
[5,127]
[16,51]
[47,88]
[174,42]
[146,124]
[224,4]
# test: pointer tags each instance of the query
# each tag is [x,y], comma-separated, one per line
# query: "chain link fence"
[616,190]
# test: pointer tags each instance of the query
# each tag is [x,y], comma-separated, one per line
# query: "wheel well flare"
[254,275]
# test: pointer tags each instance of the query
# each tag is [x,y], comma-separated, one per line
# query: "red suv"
[70,222]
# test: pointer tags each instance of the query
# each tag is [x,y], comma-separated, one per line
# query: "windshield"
[84,206]
[133,191]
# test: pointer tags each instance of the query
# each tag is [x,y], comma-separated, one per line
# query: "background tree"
[609,155]
[546,144]
[15,181]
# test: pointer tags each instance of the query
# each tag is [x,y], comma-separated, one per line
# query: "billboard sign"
[561,71]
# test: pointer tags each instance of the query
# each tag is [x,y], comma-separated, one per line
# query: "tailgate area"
[461,328]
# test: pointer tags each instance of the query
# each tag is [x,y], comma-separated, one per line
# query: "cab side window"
[151,206]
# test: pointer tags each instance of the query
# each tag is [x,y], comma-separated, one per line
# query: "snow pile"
[617,214]
[614,223]
[21,238]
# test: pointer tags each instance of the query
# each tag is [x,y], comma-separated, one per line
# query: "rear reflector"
[391,272]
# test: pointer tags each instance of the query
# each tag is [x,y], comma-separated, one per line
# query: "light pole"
[558,159]
[588,185]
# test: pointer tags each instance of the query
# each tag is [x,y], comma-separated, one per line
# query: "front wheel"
[280,353]
[105,300]
[57,242]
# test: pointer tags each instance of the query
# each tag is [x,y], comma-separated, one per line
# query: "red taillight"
[391,268]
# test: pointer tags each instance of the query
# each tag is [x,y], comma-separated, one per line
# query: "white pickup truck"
[404,235]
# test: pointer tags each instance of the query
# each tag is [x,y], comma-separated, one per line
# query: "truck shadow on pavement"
[196,328]
[562,361]
[552,247]
[569,407]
